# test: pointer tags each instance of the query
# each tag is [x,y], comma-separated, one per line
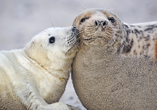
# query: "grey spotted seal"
[116,65]
[34,78]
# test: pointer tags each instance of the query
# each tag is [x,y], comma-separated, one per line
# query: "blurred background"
[20,20]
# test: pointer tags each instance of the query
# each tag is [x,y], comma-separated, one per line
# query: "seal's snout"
[75,31]
[71,40]
[98,23]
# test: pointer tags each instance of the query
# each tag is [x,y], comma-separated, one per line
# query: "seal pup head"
[99,27]
[53,47]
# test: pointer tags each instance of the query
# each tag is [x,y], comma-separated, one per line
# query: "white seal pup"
[34,78]
[116,65]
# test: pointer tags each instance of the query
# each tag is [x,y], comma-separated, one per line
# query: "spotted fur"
[143,40]
[129,39]
[115,67]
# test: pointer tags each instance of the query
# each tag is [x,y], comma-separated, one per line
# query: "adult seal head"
[34,78]
[115,67]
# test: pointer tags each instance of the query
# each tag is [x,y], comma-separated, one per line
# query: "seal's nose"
[102,23]
[97,23]
[74,29]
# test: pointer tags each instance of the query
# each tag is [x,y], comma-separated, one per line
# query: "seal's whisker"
[71,43]
[90,28]
[107,5]
[81,32]
[72,39]
[90,24]
[77,38]
[69,40]
[84,6]
[53,25]
[48,32]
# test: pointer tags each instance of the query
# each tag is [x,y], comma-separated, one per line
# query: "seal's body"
[115,67]
[35,77]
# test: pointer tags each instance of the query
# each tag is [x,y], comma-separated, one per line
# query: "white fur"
[36,75]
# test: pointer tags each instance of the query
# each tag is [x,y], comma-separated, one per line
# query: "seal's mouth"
[92,32]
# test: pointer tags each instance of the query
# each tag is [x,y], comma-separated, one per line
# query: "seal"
[116,65]
[35,77]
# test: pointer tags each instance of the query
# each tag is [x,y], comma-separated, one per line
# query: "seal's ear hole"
[112,20]
[52,40]
[83,19]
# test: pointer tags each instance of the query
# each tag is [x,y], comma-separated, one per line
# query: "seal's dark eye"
[83,20]
[111,20]
[52,40]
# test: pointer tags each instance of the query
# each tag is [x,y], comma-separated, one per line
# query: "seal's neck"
[139,40]
[52,62]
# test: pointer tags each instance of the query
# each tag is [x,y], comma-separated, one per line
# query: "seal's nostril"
[74,29]
[103,23]
[97,23]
